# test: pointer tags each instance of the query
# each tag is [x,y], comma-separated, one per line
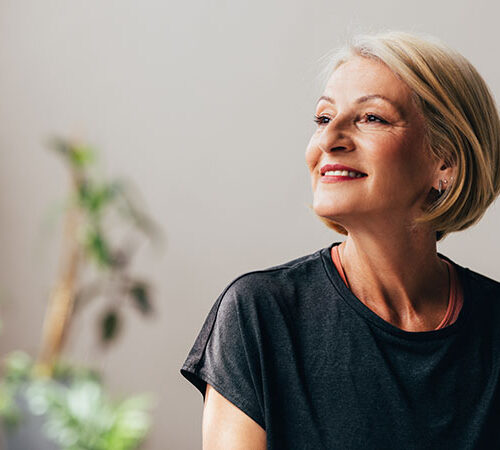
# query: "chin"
[332,212]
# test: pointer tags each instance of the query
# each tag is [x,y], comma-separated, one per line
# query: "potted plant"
[68,410]
[68,404]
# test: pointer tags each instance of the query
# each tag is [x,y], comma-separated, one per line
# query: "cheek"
[401,162]
[395,153]
[412,158]
[312,154]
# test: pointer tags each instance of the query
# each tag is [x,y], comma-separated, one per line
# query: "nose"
[335,136]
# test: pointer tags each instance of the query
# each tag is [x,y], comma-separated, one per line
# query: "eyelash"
[318,119]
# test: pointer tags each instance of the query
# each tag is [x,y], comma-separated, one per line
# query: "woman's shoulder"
[478,282]
[481,281]
[483,287]
[261,294]
[275,278]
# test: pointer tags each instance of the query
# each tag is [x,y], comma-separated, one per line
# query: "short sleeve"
[225,353]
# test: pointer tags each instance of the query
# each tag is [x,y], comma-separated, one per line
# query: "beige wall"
[207,106]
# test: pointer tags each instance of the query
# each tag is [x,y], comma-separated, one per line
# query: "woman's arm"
[226,426]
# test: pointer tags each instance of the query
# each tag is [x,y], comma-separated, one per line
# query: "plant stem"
[60,308]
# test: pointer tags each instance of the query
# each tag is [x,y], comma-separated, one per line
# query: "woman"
[376,342]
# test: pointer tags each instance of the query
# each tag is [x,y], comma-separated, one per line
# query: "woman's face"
[367,121]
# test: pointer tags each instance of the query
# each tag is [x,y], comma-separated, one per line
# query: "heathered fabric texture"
[293,348]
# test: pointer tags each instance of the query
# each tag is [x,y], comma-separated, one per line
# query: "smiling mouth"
[343,173]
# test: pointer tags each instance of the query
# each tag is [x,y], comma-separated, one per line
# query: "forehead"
[363,76]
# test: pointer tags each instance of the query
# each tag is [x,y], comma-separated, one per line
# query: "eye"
[320,120]
[373,118]
[323,120]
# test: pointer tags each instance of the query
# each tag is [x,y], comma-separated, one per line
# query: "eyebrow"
[365,98]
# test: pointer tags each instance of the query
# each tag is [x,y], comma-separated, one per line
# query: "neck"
[401,278]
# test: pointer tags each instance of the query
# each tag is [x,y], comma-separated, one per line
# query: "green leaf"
[98,248]
[94,197]
[77,155]
[81,156]
[81,416]
[84,193]
[9,412]
[18,365]
[140,296]
[110,325]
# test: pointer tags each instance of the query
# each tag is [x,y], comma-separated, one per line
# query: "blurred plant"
[87,242]
[78,414]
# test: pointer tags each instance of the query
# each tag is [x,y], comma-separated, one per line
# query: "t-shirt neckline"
[360,308]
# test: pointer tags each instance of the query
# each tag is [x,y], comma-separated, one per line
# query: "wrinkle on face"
[394,155]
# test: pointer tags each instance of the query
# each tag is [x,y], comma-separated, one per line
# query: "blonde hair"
[461,117]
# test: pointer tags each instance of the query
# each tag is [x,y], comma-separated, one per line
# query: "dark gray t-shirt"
[299,353]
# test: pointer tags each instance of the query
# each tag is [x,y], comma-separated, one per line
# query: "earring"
[441,182]
[440,186]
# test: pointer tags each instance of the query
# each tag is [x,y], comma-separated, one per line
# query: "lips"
[328,167]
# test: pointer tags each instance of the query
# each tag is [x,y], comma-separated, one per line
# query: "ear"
[444,172]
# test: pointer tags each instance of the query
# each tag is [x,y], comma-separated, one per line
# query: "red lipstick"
[328,167]
[336,178]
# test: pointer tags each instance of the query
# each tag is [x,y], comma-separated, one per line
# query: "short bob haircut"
[461,118]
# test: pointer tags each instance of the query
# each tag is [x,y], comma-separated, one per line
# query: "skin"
[225,426]
[383,139]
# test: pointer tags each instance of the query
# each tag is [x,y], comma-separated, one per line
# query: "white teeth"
[343,173]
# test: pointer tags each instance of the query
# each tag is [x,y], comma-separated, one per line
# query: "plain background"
[207,106]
